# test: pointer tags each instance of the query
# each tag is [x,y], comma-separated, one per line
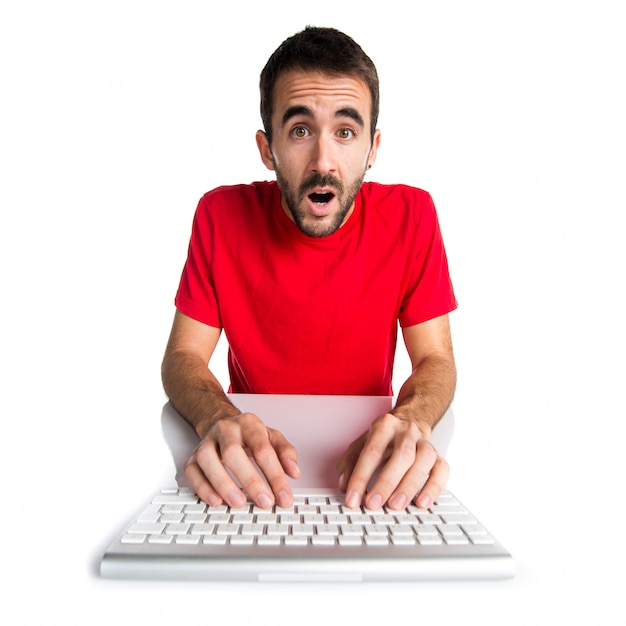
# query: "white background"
[117,116]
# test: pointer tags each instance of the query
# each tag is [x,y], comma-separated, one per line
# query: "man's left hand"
[410,467]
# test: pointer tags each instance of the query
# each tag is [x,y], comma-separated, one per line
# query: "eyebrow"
[349,112]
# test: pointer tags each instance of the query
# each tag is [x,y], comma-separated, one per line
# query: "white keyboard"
[176,528]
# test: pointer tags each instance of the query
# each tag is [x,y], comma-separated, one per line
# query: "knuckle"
[253,484]
[263,453]
[429,454]
[229,453]
[201,457]
[406,450]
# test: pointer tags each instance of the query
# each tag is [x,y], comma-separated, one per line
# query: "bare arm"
[226,434]
[190,385]
[399,440]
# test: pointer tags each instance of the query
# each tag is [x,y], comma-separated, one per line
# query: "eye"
[345,133]
[300,132]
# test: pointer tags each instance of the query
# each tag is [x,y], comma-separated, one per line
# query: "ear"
[374,149]
[264,150]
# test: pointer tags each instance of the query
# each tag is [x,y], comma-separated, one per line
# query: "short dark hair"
[326,50]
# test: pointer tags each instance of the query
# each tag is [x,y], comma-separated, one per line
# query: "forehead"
[316,89]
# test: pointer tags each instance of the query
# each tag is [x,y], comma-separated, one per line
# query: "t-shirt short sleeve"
[196,296]
[429,292]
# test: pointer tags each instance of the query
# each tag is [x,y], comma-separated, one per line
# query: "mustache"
[320,180]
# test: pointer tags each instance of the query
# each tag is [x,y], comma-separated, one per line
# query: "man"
[309,276]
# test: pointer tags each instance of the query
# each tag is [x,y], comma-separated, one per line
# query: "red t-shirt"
[307,315]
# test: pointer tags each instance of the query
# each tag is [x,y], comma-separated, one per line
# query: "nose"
[323,160]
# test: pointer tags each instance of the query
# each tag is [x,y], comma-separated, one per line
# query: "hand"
[225,449]
[411,467]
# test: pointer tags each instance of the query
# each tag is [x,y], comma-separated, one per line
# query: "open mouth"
[321,199]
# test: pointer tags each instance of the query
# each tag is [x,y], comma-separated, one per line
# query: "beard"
[310,224]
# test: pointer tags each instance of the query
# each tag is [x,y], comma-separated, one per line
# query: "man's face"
[321,147]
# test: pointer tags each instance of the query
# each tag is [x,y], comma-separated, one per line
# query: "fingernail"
[353,499]
[236,499]
[342,482]
[424,501]
[264,501]
[213,500]
[398,501]
[295,470]
[374,502]
[284,499]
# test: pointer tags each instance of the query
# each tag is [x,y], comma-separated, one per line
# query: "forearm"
[428,392]
[194,391]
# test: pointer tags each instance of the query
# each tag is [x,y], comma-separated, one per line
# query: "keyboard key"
[278,530]
[448,530]
[429,540]
[317,500]
[376,540]
[352,530]
[269,540]
[241,540]
[177,529]
[302,530]
[401,540]
[161,539]
[307,508]
[378,530]
[349,540]
[170,499]
[254,530]
[429,519]
[296,540]
[145,528]
[172,518]
[322,540]
[202,529]
[227,529]
[456,540]
[213,540]
[188,539]
[423,530]
[132,538]
[195,508]
[327,530]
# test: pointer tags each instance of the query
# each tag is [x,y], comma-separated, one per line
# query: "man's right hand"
[241,449]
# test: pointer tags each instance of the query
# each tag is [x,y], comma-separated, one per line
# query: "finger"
[395,477]
[211,466]
[347,461]
[276,458]
[233,437]
[199,483]
[285,451]
[372,455]
[424,480]
[434,485]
